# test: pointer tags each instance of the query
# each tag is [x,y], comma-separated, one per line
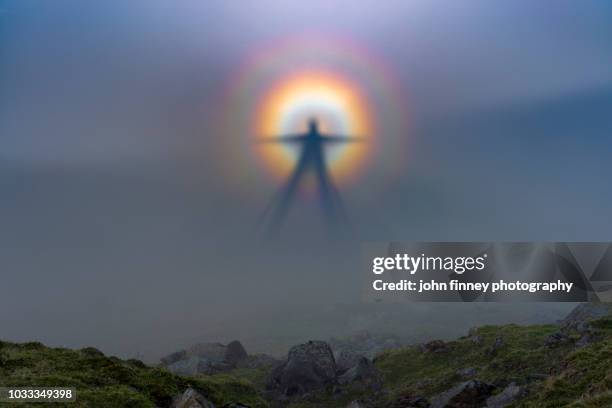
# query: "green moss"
[561,376]
[603,400]
[604,324]
[585,381]
[113,396]
[522,358]
[224,388]
[110,382]
[255,376]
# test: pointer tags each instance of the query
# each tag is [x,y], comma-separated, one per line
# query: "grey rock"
[191,399]
[465,395]
[174,357]
[365,343]
[583,327]
[206,358]
[585,340]
[364,372]
[214,352]
[234,353]
[345,360]
[476,339]
[468,372]
[556,339]
[510,394]
[497,344]
[309,367]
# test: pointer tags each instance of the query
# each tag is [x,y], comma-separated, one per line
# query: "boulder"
[346,360]
[363,372]
[206,358]
[309,367]
[234,353]
[214,352]
[510,394]
[174,357]
[191,399]
[470,394]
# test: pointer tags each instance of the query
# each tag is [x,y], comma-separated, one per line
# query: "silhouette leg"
[325,190]
[287,195]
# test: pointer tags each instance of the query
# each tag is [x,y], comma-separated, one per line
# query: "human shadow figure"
[311,159]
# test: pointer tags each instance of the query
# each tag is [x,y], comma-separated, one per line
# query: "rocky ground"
[556,365]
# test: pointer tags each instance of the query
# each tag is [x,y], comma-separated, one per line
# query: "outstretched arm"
[342,139]
[282,139]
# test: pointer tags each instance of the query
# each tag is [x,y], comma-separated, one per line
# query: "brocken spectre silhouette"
[311,159]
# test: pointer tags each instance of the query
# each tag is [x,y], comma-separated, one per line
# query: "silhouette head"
[313,125]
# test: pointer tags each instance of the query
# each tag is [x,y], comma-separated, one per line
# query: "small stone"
[191,399]
[556,339]
[468,394]
[468,372]
[585,340]
[497,344]
[510,394]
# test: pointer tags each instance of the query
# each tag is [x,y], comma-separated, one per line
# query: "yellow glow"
[340,109]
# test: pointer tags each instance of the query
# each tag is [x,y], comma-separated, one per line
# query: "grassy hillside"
[108,381]
[554,375]
[553,371]
[585,377]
